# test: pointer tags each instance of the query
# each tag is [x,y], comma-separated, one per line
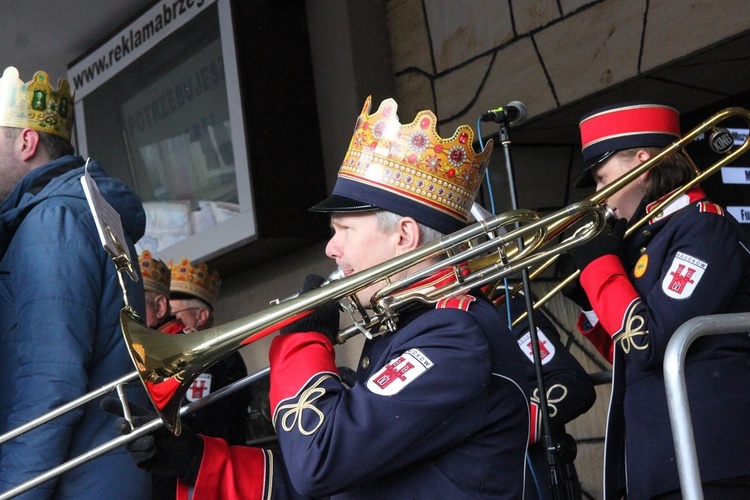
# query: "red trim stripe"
[628,121]
[461,302]
[534,423]
[707,206]
[275,327]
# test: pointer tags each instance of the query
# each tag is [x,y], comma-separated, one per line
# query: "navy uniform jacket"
[436,412]
[688,261]
[226,418]
[569,389]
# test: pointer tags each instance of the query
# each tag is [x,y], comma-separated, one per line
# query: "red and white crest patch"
[546,348]
[399,372]
[200,388]
[683,276]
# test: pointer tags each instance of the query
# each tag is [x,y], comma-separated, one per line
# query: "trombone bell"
[165,361]
[148,350]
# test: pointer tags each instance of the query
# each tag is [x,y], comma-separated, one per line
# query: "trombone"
[720,141]
[168,364]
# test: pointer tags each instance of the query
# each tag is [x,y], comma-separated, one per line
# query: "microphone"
[479,212]
[514,113]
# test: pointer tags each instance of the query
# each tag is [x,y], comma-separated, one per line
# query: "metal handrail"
[674,380]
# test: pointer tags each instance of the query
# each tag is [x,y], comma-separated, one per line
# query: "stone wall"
[462,58]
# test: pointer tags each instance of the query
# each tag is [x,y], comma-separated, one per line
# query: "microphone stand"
[562,489]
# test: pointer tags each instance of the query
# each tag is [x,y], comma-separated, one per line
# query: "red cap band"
[637,119]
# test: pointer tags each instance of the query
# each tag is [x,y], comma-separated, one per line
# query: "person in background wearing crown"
[193,293]
[436,410]
[60,298]
[240,418]
[197,289]
[689,260]
[156,279]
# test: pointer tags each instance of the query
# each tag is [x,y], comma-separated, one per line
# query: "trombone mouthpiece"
[610,216]
[335,275]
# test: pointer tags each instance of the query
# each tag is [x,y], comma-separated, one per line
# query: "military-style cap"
[409,169]
[608,130]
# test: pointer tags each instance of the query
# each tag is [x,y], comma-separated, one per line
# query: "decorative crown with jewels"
[35,104]
[156,275]
[194,281]
[409,169]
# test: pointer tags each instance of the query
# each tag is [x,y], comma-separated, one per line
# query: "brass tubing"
[602,195]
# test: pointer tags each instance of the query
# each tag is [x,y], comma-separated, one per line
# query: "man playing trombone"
[688,260]
[436,410]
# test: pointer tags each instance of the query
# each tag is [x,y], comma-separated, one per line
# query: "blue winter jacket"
[60,336]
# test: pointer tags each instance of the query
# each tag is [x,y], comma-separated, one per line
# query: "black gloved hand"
[607,242]
[160,453]
[348,376]
[573,290]
[325,320]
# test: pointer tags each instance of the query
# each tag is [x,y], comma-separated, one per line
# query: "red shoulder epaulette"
[461,302]
[707,206]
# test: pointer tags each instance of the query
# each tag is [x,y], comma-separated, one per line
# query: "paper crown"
[623,126]
[35,104]
[409,169]
[155,274]
[194,281]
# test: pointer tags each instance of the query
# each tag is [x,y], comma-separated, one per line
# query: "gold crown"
[35,104]
[414,162]
[155,274]
[195,281]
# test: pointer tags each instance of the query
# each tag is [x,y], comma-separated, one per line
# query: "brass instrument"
[720,141]
[168,364]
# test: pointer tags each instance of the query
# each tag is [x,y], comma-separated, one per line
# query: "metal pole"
[677,402]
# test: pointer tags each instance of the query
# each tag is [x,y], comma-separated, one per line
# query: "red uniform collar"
[689,197]
[171,325]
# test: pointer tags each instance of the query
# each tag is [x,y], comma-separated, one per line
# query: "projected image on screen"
[179,129]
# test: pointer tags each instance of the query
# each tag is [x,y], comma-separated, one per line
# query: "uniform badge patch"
[683,276]
[399,372]
[200,388]
[546,349]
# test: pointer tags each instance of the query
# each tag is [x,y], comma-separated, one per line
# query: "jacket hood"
[54,179]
